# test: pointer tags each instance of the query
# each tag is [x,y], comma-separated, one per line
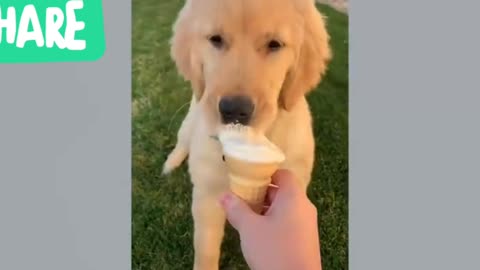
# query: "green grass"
[162,222]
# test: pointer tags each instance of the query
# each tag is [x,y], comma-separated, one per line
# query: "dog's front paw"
[167,168]
[175,159]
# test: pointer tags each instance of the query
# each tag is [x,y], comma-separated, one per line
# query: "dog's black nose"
[236,109]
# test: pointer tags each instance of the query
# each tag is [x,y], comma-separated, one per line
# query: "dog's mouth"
[244,143]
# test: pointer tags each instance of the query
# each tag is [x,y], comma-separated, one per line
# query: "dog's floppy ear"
[312,60]
[182,53]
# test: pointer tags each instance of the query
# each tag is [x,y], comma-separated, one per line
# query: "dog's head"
[246,59]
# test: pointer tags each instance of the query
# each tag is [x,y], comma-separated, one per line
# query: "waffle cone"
[249,180]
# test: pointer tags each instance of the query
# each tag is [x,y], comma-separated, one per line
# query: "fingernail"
[226,199]
[272,185]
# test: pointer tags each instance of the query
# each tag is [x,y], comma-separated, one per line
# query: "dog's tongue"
[243,143]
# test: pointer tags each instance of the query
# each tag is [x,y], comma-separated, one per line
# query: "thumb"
[239,214]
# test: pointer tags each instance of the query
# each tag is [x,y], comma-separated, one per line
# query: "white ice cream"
[243,143]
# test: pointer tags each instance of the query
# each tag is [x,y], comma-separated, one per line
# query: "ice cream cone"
[251,160]
[250,180]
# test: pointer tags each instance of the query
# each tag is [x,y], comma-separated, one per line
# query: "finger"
[239,214]
[288,191]
[286,183]
[265,210]
[271,194]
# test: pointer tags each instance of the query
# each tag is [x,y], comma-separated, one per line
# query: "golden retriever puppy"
[250,62]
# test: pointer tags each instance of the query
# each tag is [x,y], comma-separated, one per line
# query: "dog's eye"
[217,41]
[274,45]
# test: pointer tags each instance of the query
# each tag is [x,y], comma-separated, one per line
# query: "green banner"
[33,31]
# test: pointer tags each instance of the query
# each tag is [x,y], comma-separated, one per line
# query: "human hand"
[286,236]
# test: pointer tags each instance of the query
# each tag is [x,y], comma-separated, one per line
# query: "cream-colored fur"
[277,82]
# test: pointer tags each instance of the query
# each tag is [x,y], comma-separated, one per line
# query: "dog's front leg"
[209,222]
[182,147]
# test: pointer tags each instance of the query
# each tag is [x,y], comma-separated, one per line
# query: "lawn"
[162,225]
